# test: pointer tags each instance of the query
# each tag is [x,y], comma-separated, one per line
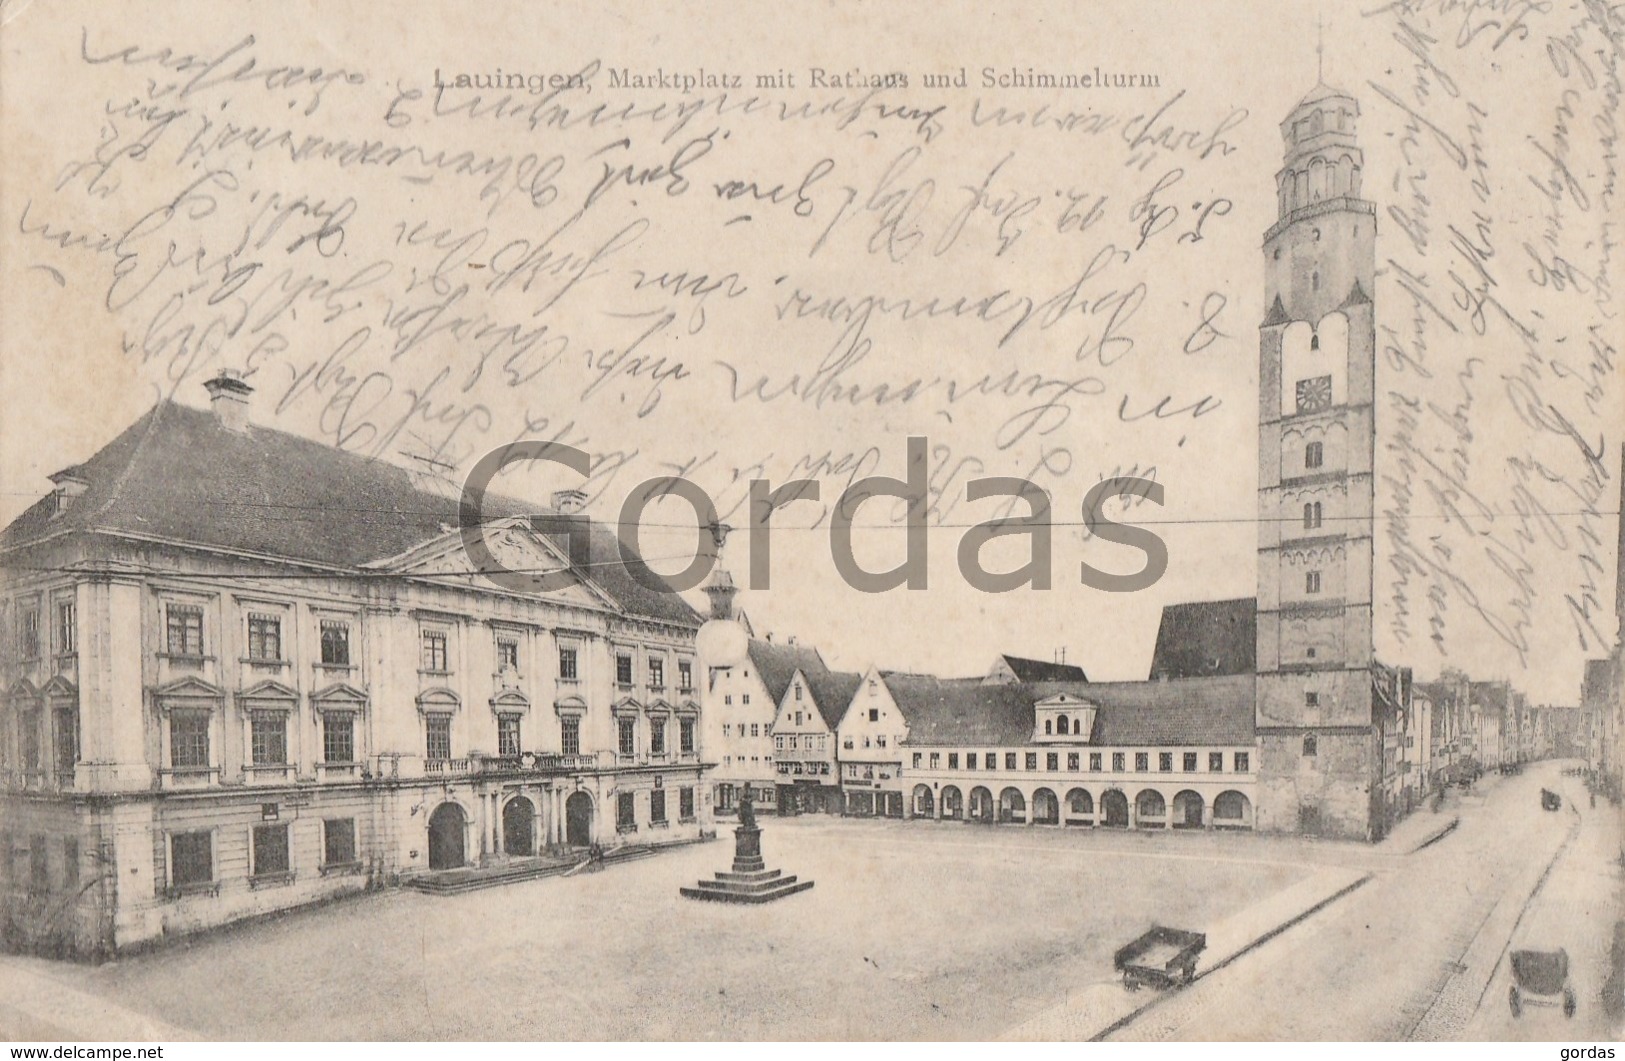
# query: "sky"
[747,275]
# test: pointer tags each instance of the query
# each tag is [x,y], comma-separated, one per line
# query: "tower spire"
[1320,48]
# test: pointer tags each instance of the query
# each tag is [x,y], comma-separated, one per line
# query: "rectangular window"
[434,651]
[189,740]
[755,729]
[1072,761]
[1118,762]
[970,760]
[67,740]
[623,669]
[270,849]
[1094,761]
[657,807]
[991,761]
[1190,762]
[1142,761]
[67,628]
[1215,762]
[70,862]
[338,841]
[1311,581]
[338,737]
[657,736]
[269,738]
[917,757]
[191,858]
[625,813]
[798,692]
[185,630]
[629,736]
[685,676]
[657,673]
[570,735]
[39,865]
[508,735]
[1032,760]
[567,664]
[685,804]
[953,760]
[936,760]
[507,654]
[31,749]
[438,731]
[264,638]
[874,714]
[1241,762]
[1313,455]
[685,736]
[1052,760]
[335,643]
[28,634]
[1165,761]
[1009,760]
[1311,699]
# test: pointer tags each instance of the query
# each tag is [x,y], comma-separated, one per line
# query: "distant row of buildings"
[1034,742]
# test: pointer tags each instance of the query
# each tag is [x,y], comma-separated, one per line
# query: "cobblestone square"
[914,930]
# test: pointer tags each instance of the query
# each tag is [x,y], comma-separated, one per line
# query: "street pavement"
[1420,951]
[920,930]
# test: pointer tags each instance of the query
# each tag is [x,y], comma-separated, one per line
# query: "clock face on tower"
[1314,394]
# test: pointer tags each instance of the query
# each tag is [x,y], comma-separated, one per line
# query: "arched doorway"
[1012,805]
[519,827]
[446,836]
[953,804]
[1232,809]
[1188,810]
[1150,809]
[924,805]
[578,820]
[1046,808]
[981,804]
[1114,809]
[1079,805]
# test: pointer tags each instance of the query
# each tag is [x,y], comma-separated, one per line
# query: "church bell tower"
[1319,748]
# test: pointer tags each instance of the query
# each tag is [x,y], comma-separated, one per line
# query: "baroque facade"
[244,672]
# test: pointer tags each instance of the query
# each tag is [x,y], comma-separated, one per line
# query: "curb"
[1297,919]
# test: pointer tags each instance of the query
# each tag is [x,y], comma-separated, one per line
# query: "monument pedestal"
[750,881]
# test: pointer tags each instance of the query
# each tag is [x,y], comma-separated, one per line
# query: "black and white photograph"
[588,521]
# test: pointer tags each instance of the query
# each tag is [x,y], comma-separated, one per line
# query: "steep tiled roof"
[1037,670]
[1206,638]
[178,474]
[833,691]
[1216,709]
[775,663]
[1191,711]
[962,711]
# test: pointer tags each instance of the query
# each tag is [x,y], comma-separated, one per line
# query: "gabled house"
[871,748]
[804,740]
[741,704]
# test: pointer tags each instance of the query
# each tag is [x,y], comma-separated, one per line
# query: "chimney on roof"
[569,502]
[228,395]
[770,637]
[790,640]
